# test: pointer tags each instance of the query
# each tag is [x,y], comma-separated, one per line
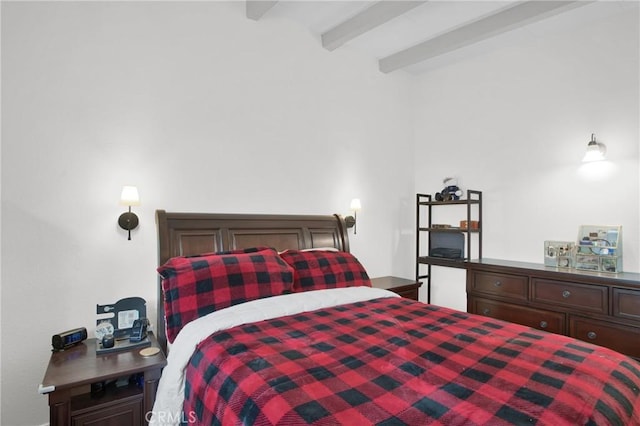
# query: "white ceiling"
[443,31]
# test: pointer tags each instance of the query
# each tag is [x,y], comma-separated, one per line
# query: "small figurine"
[451,190]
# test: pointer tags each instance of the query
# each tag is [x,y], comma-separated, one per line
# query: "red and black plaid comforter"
[395,361]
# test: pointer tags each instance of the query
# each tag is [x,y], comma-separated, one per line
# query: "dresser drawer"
[553,322]
[621,338]
[626,303]
[512,286]
[585,297]
[125,413]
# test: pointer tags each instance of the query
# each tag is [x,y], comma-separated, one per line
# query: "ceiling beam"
[512,17]
[373,16]
[257,8]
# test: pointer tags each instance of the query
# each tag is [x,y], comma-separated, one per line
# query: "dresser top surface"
[629,278]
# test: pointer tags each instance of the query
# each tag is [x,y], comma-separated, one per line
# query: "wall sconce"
[351,220]
[128,220]
[595,151]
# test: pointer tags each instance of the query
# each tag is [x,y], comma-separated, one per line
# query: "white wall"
[203,110]
[513,117]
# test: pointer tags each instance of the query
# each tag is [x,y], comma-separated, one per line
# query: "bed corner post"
[161,224]
[344,232]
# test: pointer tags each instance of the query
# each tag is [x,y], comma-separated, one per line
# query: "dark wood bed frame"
[186,234]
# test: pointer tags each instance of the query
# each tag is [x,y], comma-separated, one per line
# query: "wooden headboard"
[185,234]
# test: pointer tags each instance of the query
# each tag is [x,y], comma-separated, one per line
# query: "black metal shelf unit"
[425,229]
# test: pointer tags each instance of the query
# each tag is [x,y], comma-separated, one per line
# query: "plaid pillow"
[198,285]
[320,269]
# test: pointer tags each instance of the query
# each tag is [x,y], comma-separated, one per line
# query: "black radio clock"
[66,339]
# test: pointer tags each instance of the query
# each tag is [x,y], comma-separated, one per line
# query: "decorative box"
[559,253]
[599,248]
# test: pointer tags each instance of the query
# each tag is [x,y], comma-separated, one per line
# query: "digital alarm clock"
[66,339]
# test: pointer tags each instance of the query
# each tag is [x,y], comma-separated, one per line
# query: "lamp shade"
[595,151]
[355,205]
[130,196]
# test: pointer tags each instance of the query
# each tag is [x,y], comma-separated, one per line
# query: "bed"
[277,324]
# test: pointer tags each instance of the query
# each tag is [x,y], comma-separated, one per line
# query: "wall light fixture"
[595,151]
[129,220]
[355,207]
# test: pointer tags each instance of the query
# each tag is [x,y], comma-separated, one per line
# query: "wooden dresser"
[599,308]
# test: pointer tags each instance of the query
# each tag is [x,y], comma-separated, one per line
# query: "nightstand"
[71,373]
[402,286]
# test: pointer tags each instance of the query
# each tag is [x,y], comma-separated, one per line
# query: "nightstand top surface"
[390,282]
[81,365]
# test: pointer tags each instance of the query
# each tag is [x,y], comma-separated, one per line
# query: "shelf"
[446,203]
[112,395]
[443,261]
[452,229]
[429,235]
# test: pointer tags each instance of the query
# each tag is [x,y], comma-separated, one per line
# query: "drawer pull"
[566,294]
[544,324]
[486,311]
[592,335]
[497,283]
